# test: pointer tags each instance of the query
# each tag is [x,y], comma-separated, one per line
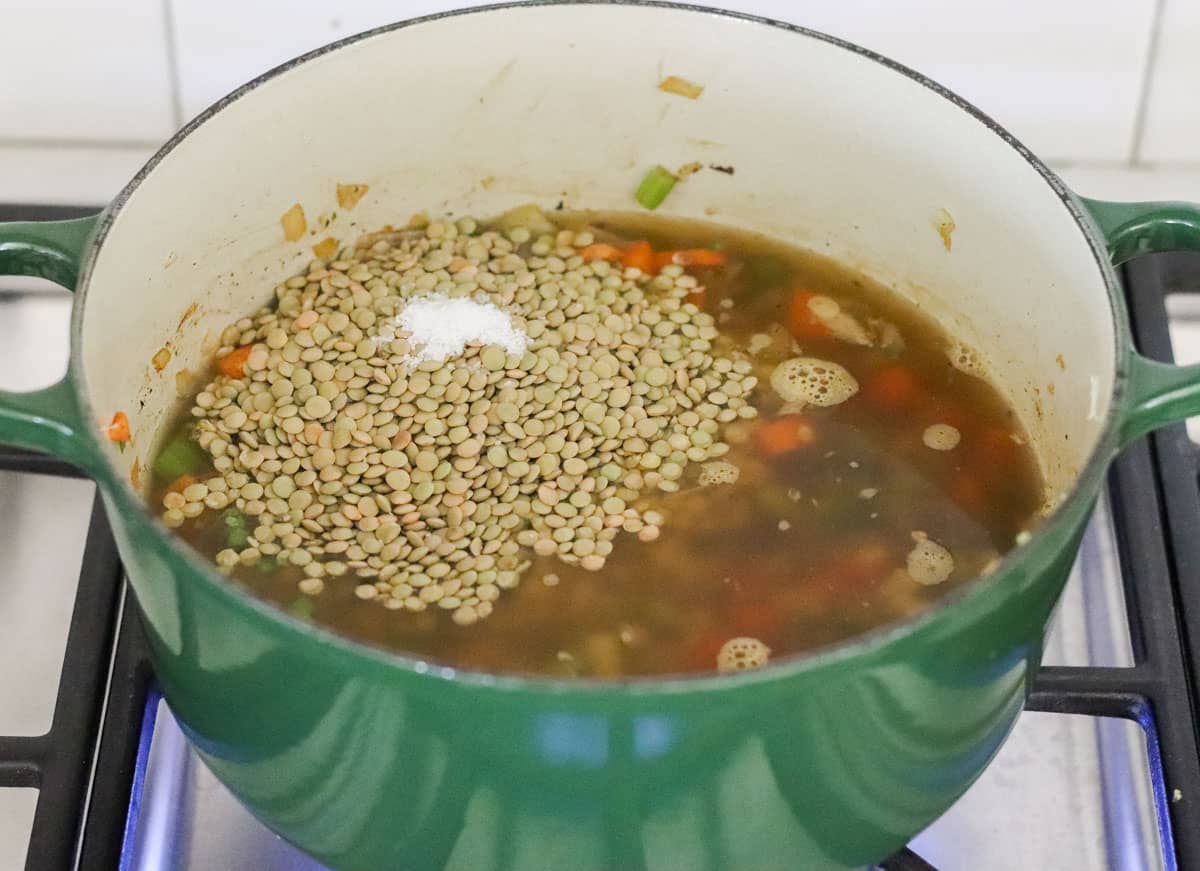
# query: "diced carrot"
[599,251]
[995,447]
[892,387]
[181,483]
[233,364]
[661,259]
[699,257]
[702,653]
[688,257]
[802,323]
[639,255]
[940,409]
[993,452]
[967,493]
[784,435]
[697,297]
[756,619]
[118,430]
[865,566]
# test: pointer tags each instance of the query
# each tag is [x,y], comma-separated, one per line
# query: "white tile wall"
[1068,77]
[82,70]
[221,43]
[1173,105]
[63,174]
[1063,75]
[1134,183]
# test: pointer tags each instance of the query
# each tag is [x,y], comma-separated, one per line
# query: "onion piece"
[681,87]
[293,223]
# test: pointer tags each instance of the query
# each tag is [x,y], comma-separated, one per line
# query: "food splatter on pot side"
[643,446]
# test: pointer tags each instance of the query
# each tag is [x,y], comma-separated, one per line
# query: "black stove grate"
[84,766]
[59,763]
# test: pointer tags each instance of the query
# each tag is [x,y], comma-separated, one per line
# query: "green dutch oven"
[371,760]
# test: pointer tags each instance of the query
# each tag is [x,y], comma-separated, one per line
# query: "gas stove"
[1101,772]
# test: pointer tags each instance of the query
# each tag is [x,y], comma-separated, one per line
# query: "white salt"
[438,327]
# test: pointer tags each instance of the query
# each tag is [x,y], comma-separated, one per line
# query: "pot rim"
[137,510]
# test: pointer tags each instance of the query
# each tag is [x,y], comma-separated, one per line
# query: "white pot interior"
[480,112]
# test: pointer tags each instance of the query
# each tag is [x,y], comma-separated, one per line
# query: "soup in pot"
[594,444]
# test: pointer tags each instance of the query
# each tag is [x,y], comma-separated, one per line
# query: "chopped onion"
[943,221]
[348,195]
[293,223]
[682,87]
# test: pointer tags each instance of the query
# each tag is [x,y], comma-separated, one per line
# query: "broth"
[842,517]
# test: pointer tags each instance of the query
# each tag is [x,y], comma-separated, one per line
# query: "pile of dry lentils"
[431,481]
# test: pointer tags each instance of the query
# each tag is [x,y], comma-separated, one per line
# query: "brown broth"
[803,551]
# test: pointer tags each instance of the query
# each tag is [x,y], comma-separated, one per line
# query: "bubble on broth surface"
[719,472]
[965,359]
[813,381]
[740,654]
[941,437]
[928,562]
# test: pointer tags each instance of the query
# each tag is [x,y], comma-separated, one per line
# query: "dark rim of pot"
[779,669]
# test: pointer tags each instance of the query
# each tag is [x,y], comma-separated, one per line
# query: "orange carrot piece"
[699,257]
[661,259]
[599,251]
[688,257]
[233,364]
[802,323]
[992,449]
[181,483]
[702,654]
[784,435]
[757,620]
[639,255]
[863,567]
[892,387]
[118,430]
[998,444]
[697,297]
[967,493]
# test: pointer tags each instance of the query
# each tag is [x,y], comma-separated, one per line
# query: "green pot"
[371,760]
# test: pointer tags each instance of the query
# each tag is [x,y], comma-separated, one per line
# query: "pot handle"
[48,420]
[1158,393]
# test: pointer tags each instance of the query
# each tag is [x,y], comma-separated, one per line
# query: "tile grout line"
[173,63]
[51,143]
[1061,163]
[1143,106]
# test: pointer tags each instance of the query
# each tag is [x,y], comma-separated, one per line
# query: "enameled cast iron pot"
[371,760]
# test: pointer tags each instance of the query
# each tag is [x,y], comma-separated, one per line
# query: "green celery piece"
[236,534]
[180,456]
[302,608]
[655,187]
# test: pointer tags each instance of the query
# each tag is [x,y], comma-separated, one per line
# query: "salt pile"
[439,327]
